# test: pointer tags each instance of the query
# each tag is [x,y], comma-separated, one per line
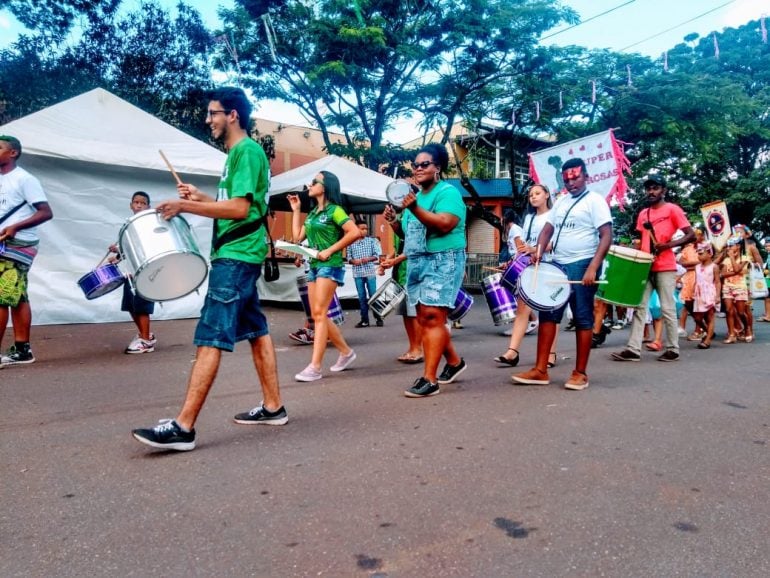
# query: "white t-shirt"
[577,238]
[513,232]
[16,187]
[538,222]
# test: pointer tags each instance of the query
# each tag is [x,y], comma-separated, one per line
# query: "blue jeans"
[231,311]
[435,279]
[365,287]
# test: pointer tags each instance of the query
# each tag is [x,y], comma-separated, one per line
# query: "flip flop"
[410,359]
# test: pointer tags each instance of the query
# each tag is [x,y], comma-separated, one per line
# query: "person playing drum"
[231,311]
[23,206]
[433,228]
[134,304]
[657,223]
[582,225]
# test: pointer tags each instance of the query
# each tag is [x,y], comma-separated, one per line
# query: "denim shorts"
[581,297]
[435,278]
[336,274]
[231,311]
[133,303]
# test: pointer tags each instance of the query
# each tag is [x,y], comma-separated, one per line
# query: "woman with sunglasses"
[433,228]
[328,229]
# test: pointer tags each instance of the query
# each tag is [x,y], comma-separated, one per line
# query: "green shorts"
[13,283]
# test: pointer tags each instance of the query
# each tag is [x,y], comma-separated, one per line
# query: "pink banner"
[604,158]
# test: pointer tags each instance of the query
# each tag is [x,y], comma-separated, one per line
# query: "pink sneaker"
[310,373]
[343,361]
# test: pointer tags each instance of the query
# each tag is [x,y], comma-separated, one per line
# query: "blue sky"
[632,22]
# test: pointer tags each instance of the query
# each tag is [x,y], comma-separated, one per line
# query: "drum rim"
[637,255]
[535,304]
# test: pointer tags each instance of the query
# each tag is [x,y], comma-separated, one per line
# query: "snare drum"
[463,303]
[549,291]
[502,304]
[335,312]
[101,281]
[387,298]
[513,272]
[161,256]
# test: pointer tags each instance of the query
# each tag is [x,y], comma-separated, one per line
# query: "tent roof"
[363,189]
[99,127]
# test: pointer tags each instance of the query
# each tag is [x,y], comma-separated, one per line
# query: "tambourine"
[397,191]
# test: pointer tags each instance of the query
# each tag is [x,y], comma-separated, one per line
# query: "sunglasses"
[422,165]
[316,182]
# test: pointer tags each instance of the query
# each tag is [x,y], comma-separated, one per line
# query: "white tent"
[91,153]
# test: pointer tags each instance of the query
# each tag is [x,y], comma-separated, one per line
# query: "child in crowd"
[735,291]
[706,294]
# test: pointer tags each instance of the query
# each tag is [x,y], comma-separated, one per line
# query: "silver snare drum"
[387,298]
[161,256]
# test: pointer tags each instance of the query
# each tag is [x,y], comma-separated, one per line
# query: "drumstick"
[103,258]
[566,282]
[495,269]
[534,275]
[168,164]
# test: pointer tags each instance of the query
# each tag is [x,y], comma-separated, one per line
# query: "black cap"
[657,179]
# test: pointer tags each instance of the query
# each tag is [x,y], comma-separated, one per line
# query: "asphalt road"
[657,469]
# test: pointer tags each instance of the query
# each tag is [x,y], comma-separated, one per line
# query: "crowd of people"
[571,234]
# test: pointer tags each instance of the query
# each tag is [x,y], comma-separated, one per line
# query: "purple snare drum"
[335,307]
[463,304]
[101,281]
[502,304]
[513,272]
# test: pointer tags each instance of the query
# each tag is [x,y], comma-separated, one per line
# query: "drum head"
[547,291]
[397,191]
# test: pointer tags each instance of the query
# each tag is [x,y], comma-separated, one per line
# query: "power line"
[587,20]
[677,26]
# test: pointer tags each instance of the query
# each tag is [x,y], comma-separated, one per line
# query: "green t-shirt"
[246,172]
[442,198]
[323,229]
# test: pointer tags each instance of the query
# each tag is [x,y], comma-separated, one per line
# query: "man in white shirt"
[582,225]
[23,206]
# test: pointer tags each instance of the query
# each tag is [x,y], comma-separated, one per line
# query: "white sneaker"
[681,332]
[532,327]
[139,345]
[310,373]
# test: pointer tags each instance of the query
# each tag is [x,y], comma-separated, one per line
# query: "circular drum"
[101,281]
[387,298]
[502,305]
[396,191]
[335,312]
[546,292]
[626,271]
[513,272]
[463,303]
[161,256]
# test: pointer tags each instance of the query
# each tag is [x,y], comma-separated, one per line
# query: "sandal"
[551,364]
[654,346]
[703,345]
[749,338]
[730,339]
[410,359]
[513,362]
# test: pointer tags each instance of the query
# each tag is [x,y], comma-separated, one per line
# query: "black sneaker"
[451,372]
[380,323]
[626,355]
[669,355]
[167,435]
[17,356]
[259,415]
[570,326]
[422,388]
[362,324]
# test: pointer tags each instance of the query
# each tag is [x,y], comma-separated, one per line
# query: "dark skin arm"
[441,223]
[42,214]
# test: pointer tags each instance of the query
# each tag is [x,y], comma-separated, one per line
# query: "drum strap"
[564,220]
[240,232]
[12,211]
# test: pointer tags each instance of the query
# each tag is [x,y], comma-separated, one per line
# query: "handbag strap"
[564,220]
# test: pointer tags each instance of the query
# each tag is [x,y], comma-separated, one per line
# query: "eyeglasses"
[316,182]
[422,165]
[212,113]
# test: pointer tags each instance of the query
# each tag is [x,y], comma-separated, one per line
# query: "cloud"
[5,23]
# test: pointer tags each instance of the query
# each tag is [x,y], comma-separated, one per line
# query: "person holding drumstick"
[328,229]
[132,303]
[231,311]
[582,224]
[540,204]
[433,228]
